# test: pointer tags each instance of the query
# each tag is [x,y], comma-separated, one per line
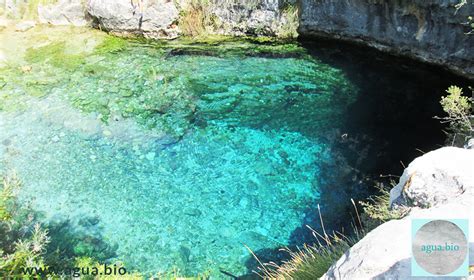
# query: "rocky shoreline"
[437,185]
[430,31]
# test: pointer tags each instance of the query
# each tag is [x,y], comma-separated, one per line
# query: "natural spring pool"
[173,155]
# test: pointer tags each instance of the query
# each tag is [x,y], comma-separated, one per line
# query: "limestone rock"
[429,30]
[385,252]
[441,179]
[248,17]
[153,19]
[24,26]
[435,178]
[64,12]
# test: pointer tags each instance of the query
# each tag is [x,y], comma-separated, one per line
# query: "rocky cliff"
[428,30]
[433,31]
[163,18]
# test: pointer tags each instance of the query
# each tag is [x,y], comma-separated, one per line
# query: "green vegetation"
[54,54]
[196,19]
[376,210]
[460,115]
[312,261]
[18,248]
[27,10]
[470,19]
[111,44]
[291,21]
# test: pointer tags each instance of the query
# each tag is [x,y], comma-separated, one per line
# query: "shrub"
[376,210]
[290,19]
[17,250]
[196,18]
[459,110]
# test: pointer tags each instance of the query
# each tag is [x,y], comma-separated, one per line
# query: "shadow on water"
[68,239]
[389,125]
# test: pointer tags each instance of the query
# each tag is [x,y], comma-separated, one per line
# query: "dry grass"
[291,22]
[376,210]
[310,261]
[196,19]
[313,261]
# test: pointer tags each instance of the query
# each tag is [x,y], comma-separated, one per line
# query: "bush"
[18,248]
[290,19]
[459,110]
[197,18]
[376,210]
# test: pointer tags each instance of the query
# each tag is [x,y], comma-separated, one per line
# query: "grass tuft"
[196,19]
[291,22]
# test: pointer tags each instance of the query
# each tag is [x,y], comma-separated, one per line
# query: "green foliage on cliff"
[460,117]
[196,19]
[376,210]
[290,22]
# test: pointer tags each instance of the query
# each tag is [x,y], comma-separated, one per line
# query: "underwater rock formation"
[385,252]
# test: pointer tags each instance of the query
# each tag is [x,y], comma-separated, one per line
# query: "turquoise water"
[173,156]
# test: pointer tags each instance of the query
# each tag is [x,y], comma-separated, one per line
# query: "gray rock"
[248,17]
[24,26]
[442,179]
[3,22]
[469,144]
[428,30]
[64,12]
[385,252]
[435,178]
[155,19]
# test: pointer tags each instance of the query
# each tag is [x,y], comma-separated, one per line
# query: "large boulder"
[436,178]
[441,180]
[64,12]
[150,18]
[248,17]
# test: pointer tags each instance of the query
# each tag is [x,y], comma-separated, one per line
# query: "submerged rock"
[442,179]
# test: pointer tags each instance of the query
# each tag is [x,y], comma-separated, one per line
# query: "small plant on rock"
[460,115]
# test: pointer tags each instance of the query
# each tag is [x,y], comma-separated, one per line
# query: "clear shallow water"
[176,155]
